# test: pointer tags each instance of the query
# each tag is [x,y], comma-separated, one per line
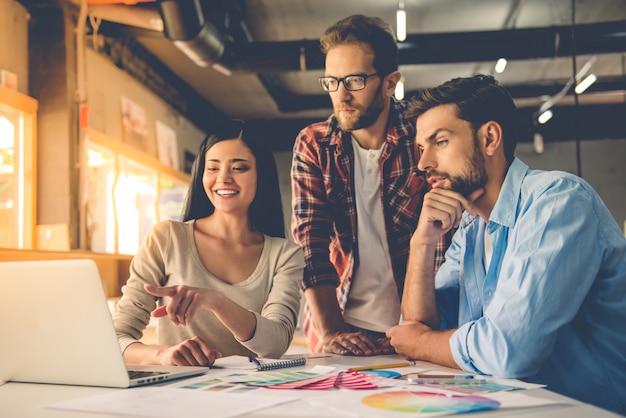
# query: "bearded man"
[356,194]
[534,283]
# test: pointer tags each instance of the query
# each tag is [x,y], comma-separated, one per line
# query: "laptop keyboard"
[138,374]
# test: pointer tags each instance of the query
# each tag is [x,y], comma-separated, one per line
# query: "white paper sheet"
[164,402]
[349,404]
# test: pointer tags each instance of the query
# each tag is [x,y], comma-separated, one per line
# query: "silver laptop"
[56,327]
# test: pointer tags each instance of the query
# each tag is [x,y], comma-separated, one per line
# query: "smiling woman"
[223,281]
[265,212]
[230,176]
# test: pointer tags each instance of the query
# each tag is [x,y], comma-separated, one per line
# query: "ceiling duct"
[184,24]
[301,55]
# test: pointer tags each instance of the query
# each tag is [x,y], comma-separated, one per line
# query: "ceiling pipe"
[184,24]
[458,47]
[516,44]
[262,58]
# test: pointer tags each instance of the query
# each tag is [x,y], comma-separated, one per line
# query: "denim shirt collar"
[505,210]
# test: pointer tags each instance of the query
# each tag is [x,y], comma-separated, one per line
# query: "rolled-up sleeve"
[312,221]
[544,276]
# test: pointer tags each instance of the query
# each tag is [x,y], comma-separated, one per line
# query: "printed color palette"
[426,402]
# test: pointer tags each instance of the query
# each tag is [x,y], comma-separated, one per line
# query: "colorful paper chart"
[343,380]
[269,378]
[389,374]
[426,402]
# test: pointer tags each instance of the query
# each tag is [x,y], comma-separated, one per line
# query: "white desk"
[24,400]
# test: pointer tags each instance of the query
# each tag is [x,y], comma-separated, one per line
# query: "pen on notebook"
[254,360]
[381,366]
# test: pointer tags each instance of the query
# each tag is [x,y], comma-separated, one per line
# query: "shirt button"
[372,156]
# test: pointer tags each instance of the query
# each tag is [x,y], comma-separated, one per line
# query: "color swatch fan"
[428,403]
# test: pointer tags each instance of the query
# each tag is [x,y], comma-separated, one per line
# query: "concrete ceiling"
[271,52]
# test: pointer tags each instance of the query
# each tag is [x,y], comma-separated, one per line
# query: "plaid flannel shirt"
[324,208]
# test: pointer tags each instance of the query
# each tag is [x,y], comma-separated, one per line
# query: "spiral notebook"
[263,365]
[252,363]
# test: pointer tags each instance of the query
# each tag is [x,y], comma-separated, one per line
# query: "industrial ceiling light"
[399,93]
[401,22]
[545,116]
[584,85]
[544,112]
[500,65]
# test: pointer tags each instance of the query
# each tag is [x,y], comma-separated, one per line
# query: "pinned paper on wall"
[167,145]
[134,127]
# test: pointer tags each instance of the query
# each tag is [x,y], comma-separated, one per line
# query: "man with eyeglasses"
[356,194]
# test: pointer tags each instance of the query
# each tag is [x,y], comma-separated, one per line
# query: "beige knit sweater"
[168,257]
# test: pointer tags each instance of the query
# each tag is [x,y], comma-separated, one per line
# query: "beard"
[474,179]
[361,120]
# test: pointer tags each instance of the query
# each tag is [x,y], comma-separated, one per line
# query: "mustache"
[436,174]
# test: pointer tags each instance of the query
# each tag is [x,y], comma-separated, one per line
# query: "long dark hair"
[266,212]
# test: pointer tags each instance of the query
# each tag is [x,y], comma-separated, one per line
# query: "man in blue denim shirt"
[534,283]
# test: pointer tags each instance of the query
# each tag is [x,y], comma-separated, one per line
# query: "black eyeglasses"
[352,82]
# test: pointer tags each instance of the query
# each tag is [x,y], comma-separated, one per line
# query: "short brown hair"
[371,31]
[478,99]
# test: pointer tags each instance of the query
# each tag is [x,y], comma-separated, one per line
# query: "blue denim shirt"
[552,307]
